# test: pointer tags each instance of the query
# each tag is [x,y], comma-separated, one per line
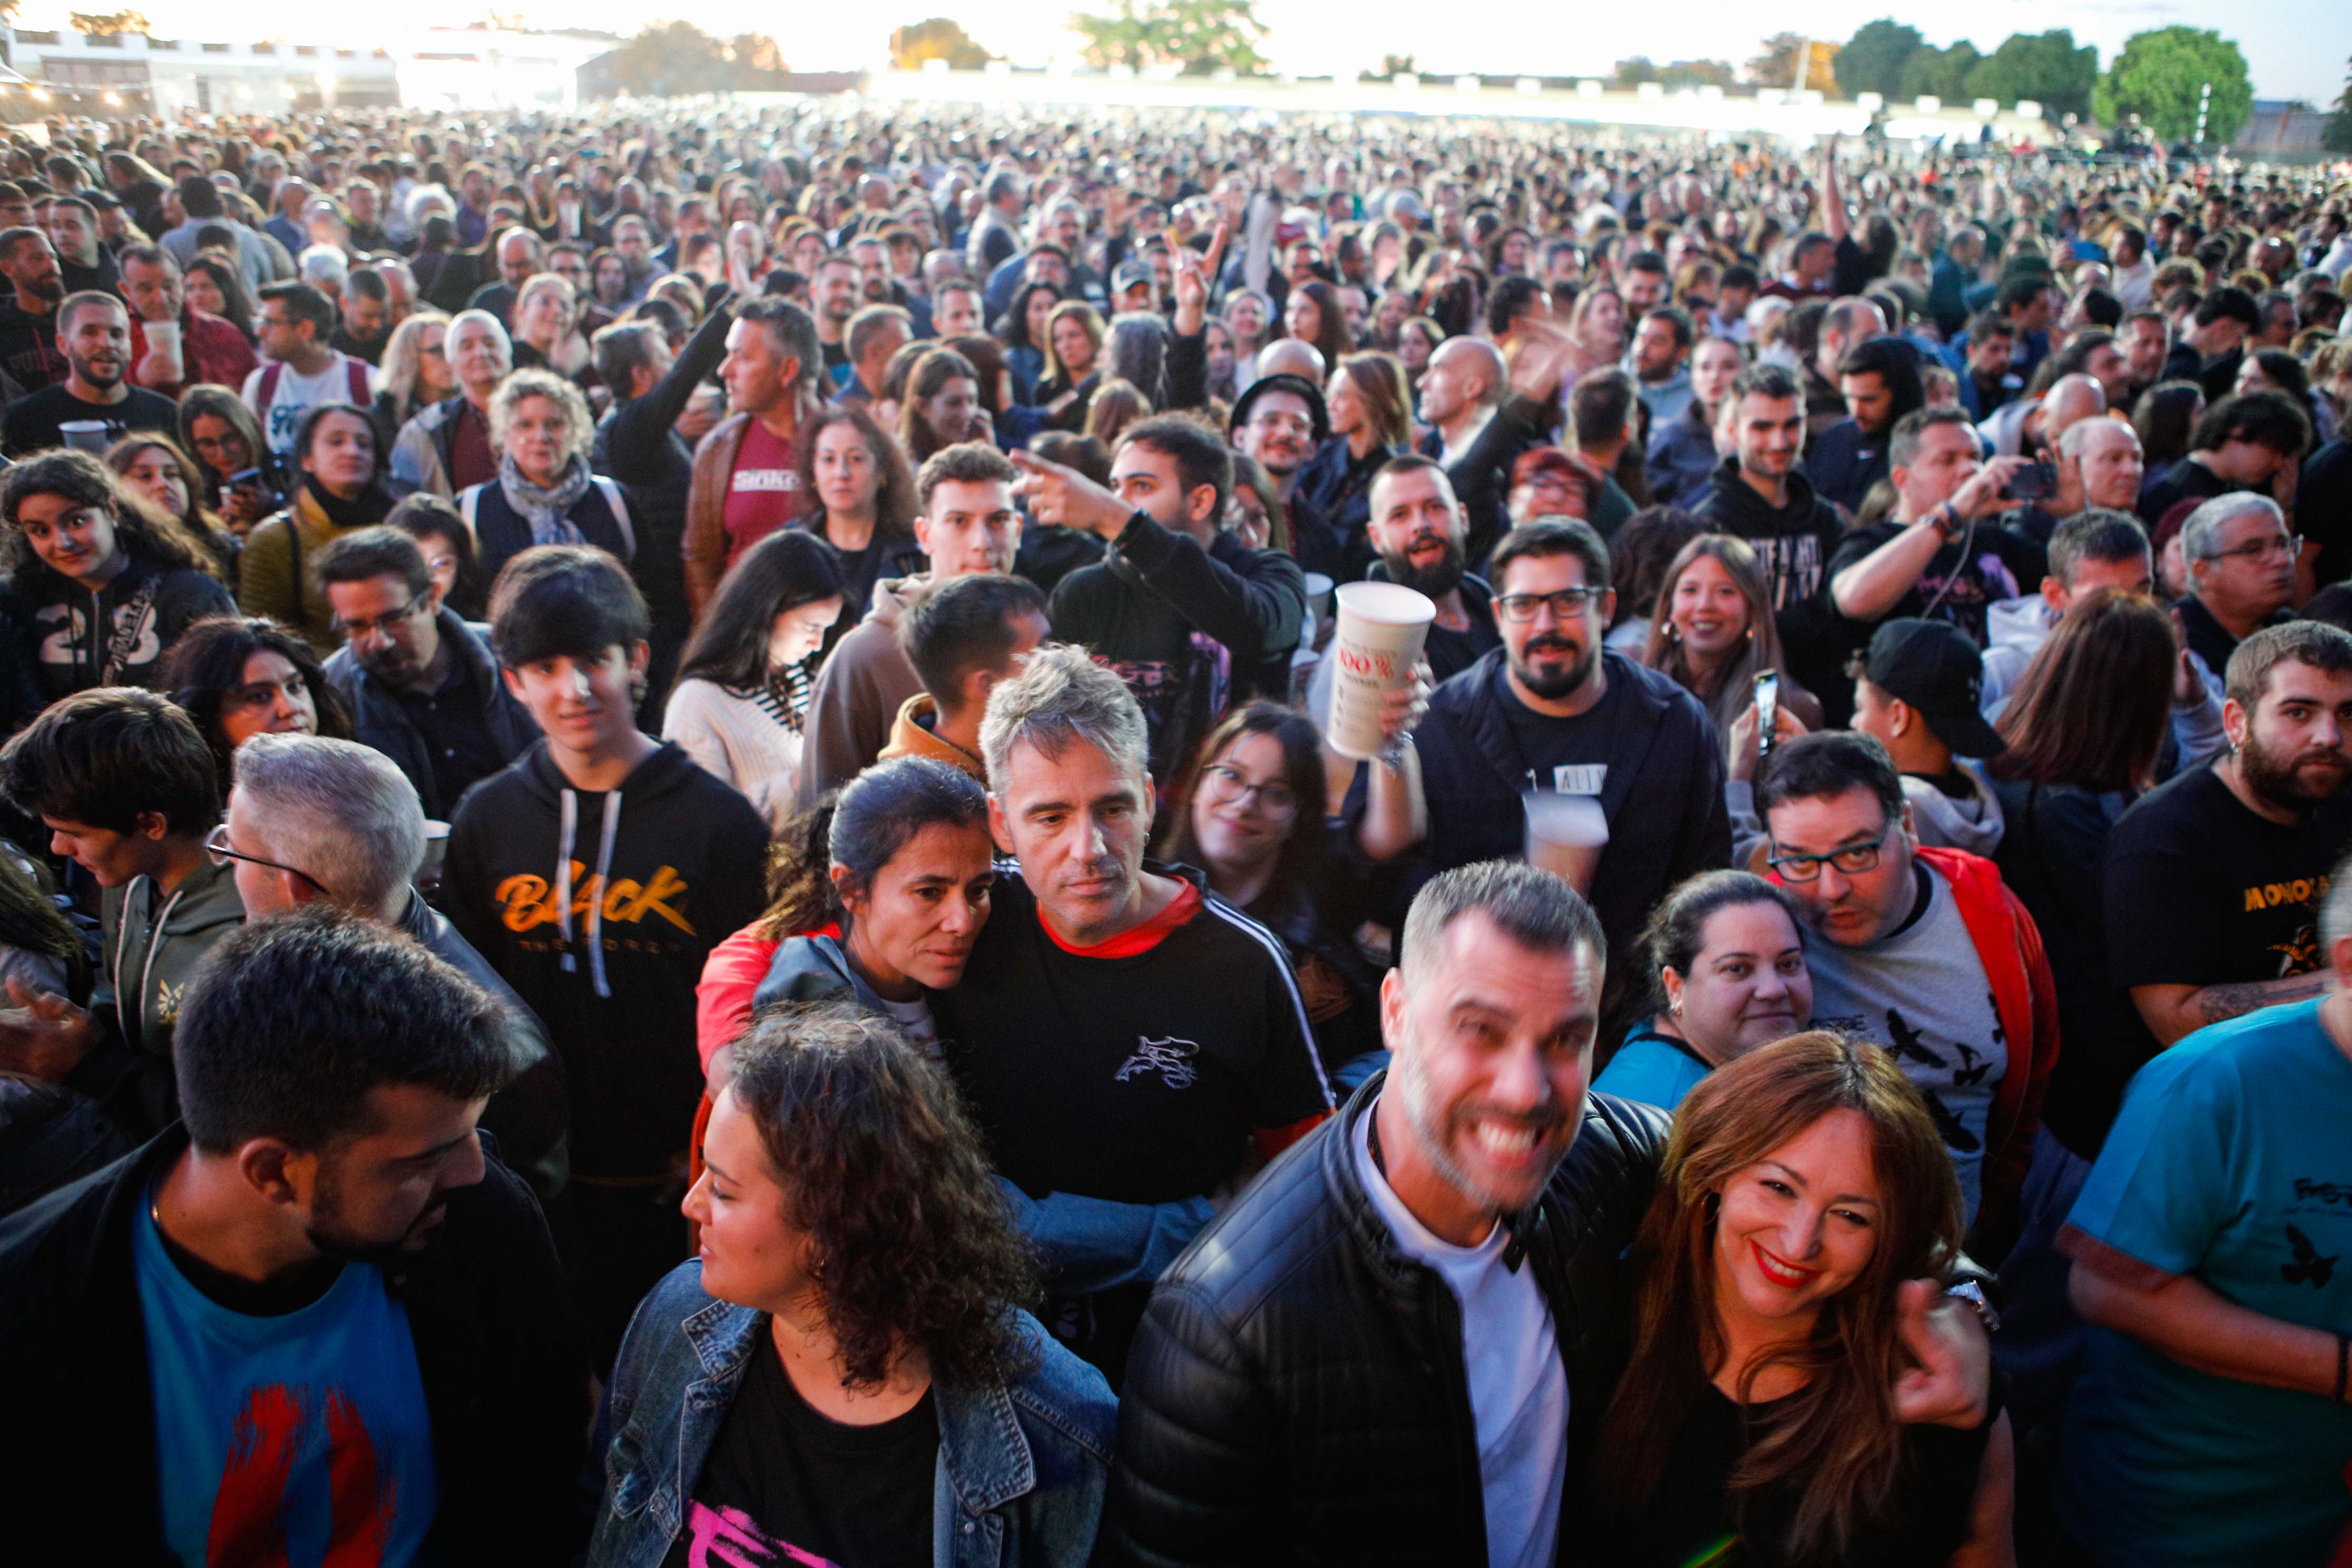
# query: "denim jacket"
[1022,1466]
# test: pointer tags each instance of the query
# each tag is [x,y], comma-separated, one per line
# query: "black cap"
[1934,666]
[1297,386]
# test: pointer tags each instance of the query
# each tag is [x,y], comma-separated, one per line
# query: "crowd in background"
[675,884]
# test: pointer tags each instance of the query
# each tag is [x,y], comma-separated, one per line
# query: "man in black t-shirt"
[1122,1037]
[1943,555]
[2214,882]
[94,331]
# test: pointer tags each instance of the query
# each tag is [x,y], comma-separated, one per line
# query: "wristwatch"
[1972,1293]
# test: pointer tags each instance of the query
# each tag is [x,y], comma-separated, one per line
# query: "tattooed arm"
[2173,1012]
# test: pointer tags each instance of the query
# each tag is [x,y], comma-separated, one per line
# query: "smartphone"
[2035,481]
[1768,712]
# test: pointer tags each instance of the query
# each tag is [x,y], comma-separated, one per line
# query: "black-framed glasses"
[1567,604]
[1851,861]
[359,626]
[217,848]
[1227,787]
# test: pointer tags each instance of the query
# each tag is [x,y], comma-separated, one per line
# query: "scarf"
[547,506]
[365,510]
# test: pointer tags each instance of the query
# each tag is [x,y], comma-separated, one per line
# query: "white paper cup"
[84,434]
[1381,629]
[164,338]
[1566,833]
[437,850]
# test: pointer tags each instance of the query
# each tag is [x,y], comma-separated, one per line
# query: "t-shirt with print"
[296,394]
[1561,756]
[2202,892]
[1921,992]
[763,491]
[298,1436]
[788,1487]
[1136,1070]
[2228,1164]
[1963,588]
[1510,1357]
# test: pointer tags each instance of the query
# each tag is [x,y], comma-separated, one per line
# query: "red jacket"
[210,349]
[2009,945]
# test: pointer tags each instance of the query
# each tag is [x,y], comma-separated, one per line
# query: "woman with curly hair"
[545,493]
[238,676]
[1804,1215]
[864,496]
[844,1373]
[151,467]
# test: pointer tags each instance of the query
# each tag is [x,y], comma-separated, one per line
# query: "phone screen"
[1768,712]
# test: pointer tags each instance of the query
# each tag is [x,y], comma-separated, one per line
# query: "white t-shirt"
[915,1021]
[295,393]
[1519,1387]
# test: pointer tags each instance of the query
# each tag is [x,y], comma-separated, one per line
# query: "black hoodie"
[1794,542]
[118,635]
[599,910]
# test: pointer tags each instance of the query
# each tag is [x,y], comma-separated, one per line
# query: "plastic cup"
[164,338]
[1377,642]
[84,434]
[1566,833]
[437,851]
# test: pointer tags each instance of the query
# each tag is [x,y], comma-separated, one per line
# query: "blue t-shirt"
[2229,1162]
[1652,1070]
[301,1438]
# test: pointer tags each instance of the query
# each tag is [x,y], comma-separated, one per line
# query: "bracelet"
[2343,1363]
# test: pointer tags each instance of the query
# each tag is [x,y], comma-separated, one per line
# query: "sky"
[2294,48]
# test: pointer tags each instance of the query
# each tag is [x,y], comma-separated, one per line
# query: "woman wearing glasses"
[1253,819]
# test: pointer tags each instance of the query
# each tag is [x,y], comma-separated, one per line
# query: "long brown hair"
[1835,1442]
[893,494]
[2093,708]
[1380,380]
[1664,652]
[927,378]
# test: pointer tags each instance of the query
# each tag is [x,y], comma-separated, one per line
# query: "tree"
[2048,69]
[759,64]
[677,60]
[2337,138]
[2160,74]
[1776,65]
[100,23]
[1195,36]
[1395,66]
[1931,72]
[1696,73]
[1872,60]
[1634,73]
[936,39]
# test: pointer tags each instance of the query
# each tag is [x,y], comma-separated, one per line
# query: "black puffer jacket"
[1297,1393]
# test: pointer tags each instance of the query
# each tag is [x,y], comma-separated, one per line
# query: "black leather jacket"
[1297,1393]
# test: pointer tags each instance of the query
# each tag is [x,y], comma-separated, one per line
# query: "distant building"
[2280,125]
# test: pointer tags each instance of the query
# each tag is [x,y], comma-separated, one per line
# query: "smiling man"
[1128,1044]
[318,1305]
[94,333]
[1923,951]
[1397,1346]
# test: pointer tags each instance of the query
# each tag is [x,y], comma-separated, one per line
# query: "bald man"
[1476,433]
[1289,357]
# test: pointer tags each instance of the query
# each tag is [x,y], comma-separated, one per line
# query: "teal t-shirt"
[1652,1070]
[2231,1161]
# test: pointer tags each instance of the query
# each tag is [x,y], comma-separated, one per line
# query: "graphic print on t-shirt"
[726,1537]
[1171,1058]
[278,1429]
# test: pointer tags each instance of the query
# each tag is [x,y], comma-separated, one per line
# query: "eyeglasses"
[1567,604]
[1296,424]
[385,623]
[2286,544]
[1227,787]
[217,848]
[1852,861]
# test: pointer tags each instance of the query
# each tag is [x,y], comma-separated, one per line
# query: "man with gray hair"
[445,447]
[1129,1044]
[2241,557]
[316,821]
[1398,1345]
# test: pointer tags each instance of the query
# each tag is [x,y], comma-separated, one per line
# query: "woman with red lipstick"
[1804,1212]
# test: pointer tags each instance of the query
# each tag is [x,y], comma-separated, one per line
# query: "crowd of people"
[674,891]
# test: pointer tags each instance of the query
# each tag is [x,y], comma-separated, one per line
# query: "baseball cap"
[1130,274]
[1934,666]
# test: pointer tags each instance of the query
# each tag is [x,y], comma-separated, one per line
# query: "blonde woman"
[417,372]
[544,493]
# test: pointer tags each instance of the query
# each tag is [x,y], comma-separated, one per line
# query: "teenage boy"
[126,785]
[962,638]
[595,873]
[315,1320]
